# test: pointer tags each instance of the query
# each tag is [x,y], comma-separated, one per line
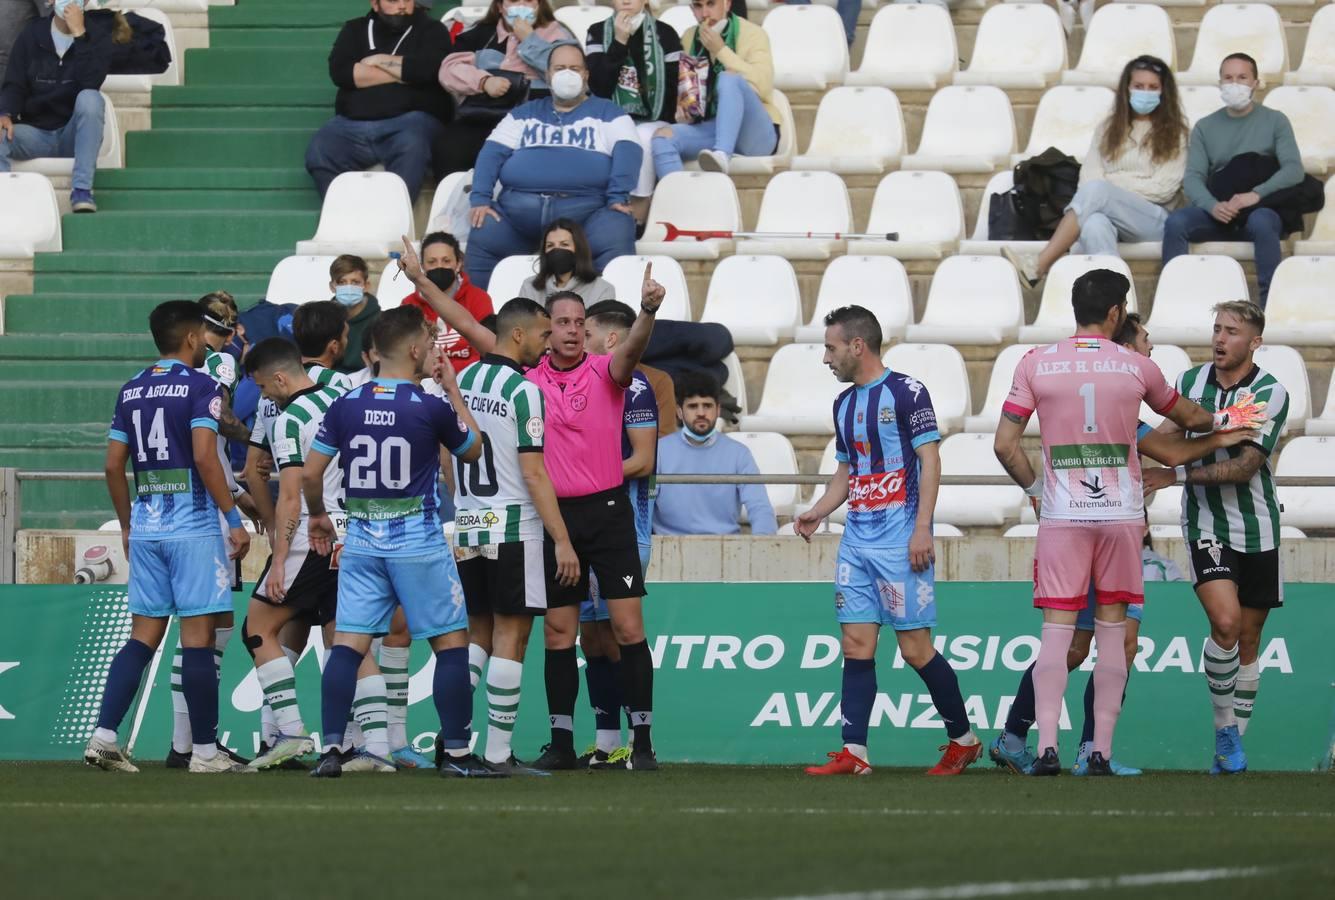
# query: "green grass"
[686,831]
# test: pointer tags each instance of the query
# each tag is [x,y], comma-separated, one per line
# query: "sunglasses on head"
[1147,64]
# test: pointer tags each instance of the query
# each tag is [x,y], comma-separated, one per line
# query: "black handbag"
[484,106]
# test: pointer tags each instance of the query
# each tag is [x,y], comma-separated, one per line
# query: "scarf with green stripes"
[640,88]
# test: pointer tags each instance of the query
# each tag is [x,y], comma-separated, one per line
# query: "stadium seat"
[449,205]
[1019,45]
[774,455]
[579,18]
[979,242]
[704,201]
[967,129]
[1252,28]
[1067,118]
[736,382]
[1172,362]
[799,393]
[1198,101]
[941,368]
[1318,66]
[909,47]
[923,208]
[858,130]
[1188,287]
[126,84]
[827,466]
[1056,319]
[799,202]
[809,47]
[392,287]
[366,213]
[965,505]
[1307,507]
[1165,506]
[626,274]
[679,17]
[1311,111]
[998,386]
[1322,240]
[878,283]
[111,156]
[1299,310]
[1324,423]
[1289,369]
[467,15]
[301,279]
[972,300]
[1120,32]
[508,276]
[756,298]
[29,216]
[1024,530]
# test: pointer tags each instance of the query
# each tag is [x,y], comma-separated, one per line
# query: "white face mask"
[567,85]
[720,25]
[636,21]
[1235,96]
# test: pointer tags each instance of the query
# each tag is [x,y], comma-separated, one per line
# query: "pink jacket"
[459,76]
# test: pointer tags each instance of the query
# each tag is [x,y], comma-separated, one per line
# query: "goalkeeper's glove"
[1246,412]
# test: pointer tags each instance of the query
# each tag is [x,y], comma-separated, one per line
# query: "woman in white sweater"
[1131,176]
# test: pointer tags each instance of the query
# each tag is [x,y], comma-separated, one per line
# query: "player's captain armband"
[1246,412]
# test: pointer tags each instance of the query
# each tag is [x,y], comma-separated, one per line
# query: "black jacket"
[423,50]
[40,88]
[605,64]
[1246,170]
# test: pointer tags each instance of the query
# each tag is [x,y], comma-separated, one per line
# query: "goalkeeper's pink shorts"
[1071,555]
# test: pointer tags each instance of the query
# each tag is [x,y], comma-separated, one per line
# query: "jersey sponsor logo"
[839,600]
[877,491]
[925,595]
[913,385]
[892,597]
[1089,456]
[637,387]
[921,418]
[162,481]
[215,407]
[1094,486]
[470,519]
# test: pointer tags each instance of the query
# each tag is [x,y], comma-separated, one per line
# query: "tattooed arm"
[1237,470]
[1009,451]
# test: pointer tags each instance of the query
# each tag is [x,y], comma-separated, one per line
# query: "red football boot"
[841,763]
[957,758]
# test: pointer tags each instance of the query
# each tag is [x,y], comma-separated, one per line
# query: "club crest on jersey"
[215,407]
[886,416]
[861,418]
[839,600]
[877,491]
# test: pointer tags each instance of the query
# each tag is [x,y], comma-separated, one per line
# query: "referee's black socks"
[637,690]
[561,674]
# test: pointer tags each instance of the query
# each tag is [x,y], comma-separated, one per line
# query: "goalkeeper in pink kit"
[1087,392]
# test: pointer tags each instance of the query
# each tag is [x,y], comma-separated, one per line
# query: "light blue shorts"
[191,577]
[595,608]
[877,585]
[1085,621]
[427,587]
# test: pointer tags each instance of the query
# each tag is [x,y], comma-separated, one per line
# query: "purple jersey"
[641,411]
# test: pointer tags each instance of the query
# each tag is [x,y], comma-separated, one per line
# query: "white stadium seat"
[756,298]
[736,382]
[774,455]
[1025,530]
[1198,101]
[702,201]
[1067,118]
[1165,507]
[979,241]
[799,393]
[798,202]
[29,216]
[998,386]
[858,130]
[1289,369]
[679,17]
[972,300]
[579,18]
[1299,310]
[1318,66]
[111,156]
[1252,28]
[1311,111]
[508,277]
[626,274]
[466,15]
[1307,507]
[1172,362]
[365,213]
[1118,33]
[941,368]
[1324,423]
[909,47]
[972,454]
[301,279]
[1322,240]
[1019,45]
[1189,286]
[449,205]
[923,208]
[144,83]
[967,129]
[393,286]
[827,466]
[877,283]
[1056,318]
[809,47]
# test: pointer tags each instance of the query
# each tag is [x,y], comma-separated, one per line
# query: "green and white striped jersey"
[492,502]
[267,410]
[221,367]
[1244,517]
[293,432]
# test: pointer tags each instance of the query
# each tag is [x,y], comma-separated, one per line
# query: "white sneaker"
[713,161]
[219,764]
[1066,12]
[286,746]
[106,755]
[361,761]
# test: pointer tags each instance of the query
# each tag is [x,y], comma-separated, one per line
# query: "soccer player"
[388,433]
[1087,391]
[1230,517]
[889,471]
[166,424]
[503,502]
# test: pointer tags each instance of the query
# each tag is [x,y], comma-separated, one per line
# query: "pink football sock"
[1109,682]
[1050,681]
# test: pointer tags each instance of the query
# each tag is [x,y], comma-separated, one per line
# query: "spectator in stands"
[443,260]
[14,15]
[1219,210]
[736,76]
[566,156]
[497,64]
[701,448]
[1131,175]
[606,324]
[49,102]
[348,277]
[633,61]
[389,107]
[565,263]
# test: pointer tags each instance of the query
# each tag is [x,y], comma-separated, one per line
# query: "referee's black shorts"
[602,531]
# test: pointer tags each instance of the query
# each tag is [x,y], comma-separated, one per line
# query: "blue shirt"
[156,414]
[709,508]
[389,433]
[641,411]
[877,429]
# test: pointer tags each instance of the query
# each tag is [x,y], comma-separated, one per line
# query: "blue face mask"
[1144,102]
[349,294]
[62,5]
[527,13]
[699,438]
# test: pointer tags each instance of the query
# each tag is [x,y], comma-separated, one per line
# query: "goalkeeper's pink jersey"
[1087,392]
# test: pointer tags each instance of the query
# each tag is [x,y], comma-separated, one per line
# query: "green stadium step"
[217,147]
[258,178]
[186,230]
[274,38]
[225,95]
[76,345]
[196,262]
[188,286]
[307,14]
[248,66]
[67,504]
[240,201]
[311,117]
[94,313]
[64,400]
[69,369]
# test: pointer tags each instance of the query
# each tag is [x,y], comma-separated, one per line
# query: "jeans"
[1108,213]
[523,217]
[741,125]
[80,137]
[848,11]
[401,144]
[1263,228]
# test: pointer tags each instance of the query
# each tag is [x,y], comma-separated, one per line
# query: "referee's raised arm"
[627,355]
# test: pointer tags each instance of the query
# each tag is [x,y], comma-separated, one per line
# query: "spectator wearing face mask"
[348,277]
[1218,210]
[443,261]
[568,156]
[565,264]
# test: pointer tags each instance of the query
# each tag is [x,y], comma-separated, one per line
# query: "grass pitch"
[686,831]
